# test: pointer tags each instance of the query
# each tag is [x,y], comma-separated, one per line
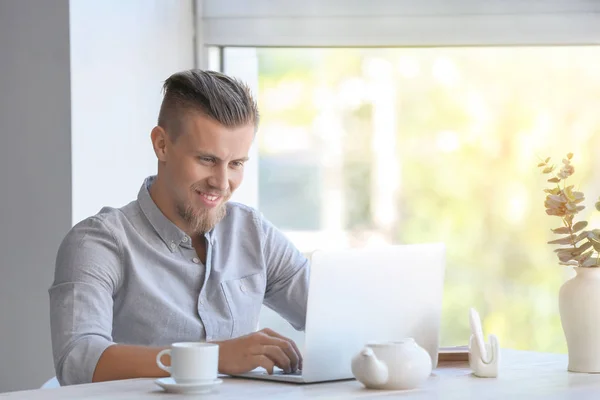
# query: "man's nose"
[220,179]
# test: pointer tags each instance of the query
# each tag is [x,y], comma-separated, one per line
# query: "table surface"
[521,375]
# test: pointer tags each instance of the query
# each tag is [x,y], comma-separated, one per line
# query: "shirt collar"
[170,233]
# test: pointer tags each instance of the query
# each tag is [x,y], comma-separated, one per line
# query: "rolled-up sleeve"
[287,276]
[87,275]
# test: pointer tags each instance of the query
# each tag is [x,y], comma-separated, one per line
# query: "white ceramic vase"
[579,305]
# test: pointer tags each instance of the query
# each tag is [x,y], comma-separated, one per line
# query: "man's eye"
[237,164]
[207,160]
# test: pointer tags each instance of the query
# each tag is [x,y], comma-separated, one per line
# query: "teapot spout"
[369,370]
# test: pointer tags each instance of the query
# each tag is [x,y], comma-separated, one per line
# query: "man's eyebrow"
[203,154]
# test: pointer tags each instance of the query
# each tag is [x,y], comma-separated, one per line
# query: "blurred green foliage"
[471,123]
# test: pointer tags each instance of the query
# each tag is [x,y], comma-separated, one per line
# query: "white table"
[522,375]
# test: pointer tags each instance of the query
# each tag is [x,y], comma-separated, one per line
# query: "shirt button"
[185,239]
[201,303]
[196,260]
[173,245]
[243,288]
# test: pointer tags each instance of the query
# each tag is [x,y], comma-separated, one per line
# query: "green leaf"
[570,155]
[581,236]
[557,198]
[590,262]
[595,243]
[584,256]
[579,226]
[581,249]
[564,256]
[571,206]
[573,211]
[548,169]
[565,240]
[554,180]
[562,230]
[578,195]
[570,263]
[547,159]
[541,164]
[564,250]
[549,203]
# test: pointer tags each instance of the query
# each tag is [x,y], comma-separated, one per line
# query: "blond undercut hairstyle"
[220,97]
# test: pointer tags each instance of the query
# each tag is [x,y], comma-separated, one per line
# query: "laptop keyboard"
[278,371]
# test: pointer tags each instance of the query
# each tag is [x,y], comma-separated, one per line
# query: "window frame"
[393,23]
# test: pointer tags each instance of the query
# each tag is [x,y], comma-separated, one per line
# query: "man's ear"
[159,142]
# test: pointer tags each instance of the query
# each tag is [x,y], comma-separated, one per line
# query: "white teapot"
[399,365]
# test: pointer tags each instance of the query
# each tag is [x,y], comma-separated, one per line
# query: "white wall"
[80,89]
[35,180]
[121,52]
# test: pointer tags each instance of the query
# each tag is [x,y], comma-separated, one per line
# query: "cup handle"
[159,363]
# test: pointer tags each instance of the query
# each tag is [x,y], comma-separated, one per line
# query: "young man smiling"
[180,263]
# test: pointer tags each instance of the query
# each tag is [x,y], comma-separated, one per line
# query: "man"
[180,263]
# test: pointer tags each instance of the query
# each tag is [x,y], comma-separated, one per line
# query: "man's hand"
[264,348]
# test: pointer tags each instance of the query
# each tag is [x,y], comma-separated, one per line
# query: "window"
[361,146]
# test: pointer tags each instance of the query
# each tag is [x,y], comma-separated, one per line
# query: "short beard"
[203,221]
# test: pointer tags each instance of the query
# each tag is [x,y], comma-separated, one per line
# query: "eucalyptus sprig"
[564,202]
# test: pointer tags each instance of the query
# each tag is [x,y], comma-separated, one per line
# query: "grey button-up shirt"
[131,276]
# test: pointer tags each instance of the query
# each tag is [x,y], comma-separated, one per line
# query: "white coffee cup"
[191,362]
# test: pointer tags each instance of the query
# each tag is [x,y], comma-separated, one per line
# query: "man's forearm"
[125,362]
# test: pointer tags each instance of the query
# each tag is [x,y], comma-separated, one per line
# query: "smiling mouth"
[209,199]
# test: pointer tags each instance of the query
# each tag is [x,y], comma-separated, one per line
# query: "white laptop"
[358,296]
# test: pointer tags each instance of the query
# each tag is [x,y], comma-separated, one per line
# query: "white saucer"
[171,386]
